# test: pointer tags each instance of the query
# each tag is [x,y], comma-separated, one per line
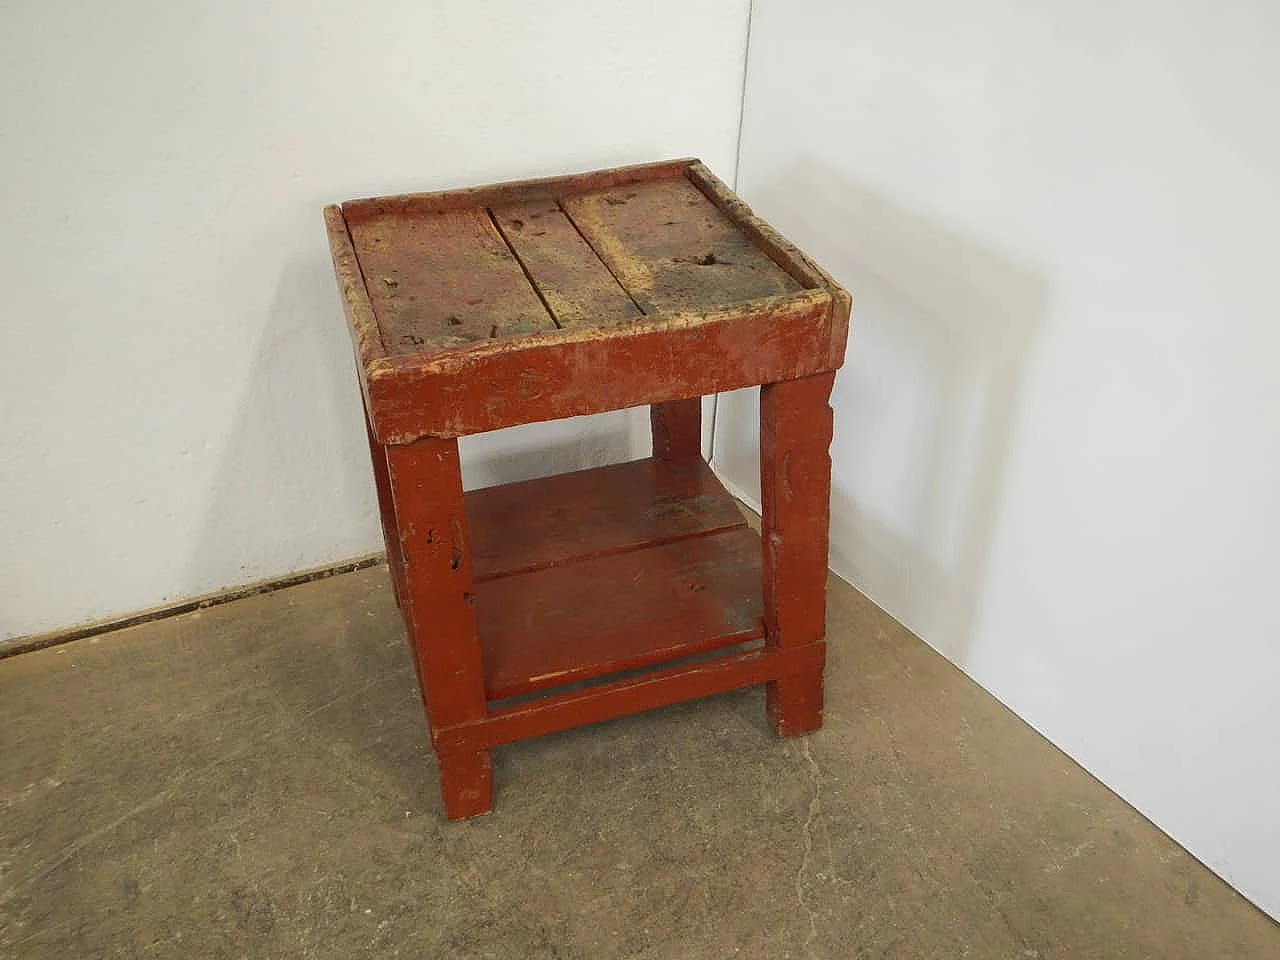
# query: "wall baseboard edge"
[39,641]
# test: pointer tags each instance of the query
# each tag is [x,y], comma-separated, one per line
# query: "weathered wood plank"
[657,688]
[442,280]
[355,298]
[673,249]
[631,579]
[575,285]
[551,521]
[496,385]
[618,612]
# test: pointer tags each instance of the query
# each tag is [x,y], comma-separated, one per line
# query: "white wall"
[177,400]
[1057,451]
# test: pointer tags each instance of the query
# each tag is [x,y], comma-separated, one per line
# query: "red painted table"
[552,603]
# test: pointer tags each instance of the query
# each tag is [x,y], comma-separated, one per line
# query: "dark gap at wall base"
[11,648]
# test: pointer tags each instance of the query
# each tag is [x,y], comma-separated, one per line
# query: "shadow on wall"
[558,446]
[943,330]
[294,487]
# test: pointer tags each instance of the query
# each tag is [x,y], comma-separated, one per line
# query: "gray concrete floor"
[255,781]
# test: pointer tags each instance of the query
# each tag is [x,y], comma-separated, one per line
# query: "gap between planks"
[528,275]
[523,268]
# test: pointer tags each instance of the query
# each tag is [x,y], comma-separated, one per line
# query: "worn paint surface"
[572,276]
[677,428]
[656,247]
[436,600]
[444,279]
[665,601]
[795,493]
[551,521]
[493,385]
[478,309]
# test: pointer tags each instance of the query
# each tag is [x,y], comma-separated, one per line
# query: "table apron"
[523,383]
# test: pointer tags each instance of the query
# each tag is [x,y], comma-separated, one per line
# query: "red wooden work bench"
[553,603]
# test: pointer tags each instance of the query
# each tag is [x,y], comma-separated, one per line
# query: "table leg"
[677,428]
[795,486]
[386,510]
[426,485]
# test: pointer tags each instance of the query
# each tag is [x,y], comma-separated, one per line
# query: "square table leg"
[425,480]
[386,510]
[795,488]
[677,428]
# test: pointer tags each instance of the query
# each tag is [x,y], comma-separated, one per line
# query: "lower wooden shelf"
[589,574]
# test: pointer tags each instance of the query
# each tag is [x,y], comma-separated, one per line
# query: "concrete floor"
[255,781]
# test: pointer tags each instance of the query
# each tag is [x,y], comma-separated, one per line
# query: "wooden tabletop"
[476,309]
[438,272]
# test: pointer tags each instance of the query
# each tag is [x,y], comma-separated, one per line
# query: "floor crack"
[815,811]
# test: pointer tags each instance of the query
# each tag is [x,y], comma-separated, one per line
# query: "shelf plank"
[612,613]
[551,521]
[633,694]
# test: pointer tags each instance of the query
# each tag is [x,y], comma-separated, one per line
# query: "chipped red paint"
[488,307]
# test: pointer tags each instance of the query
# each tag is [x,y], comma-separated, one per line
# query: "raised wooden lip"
[356,303]
[445,394]
[515,190]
